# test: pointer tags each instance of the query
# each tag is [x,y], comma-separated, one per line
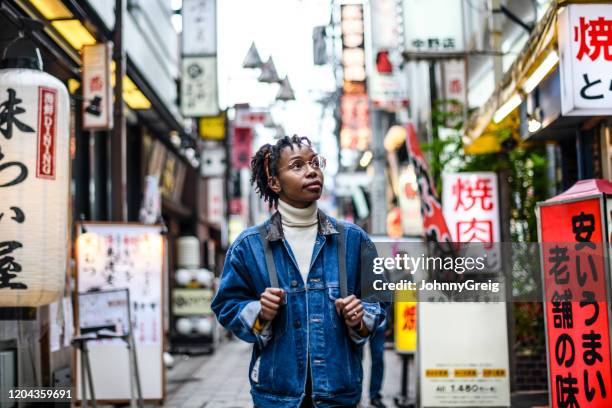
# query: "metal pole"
[580,155]
[83,378]
[118,139]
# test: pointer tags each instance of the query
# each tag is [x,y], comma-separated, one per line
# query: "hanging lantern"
[34,179]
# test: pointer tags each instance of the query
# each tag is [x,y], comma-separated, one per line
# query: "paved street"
[220,380]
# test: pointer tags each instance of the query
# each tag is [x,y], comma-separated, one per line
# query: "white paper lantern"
[183,276]
[204,326]
[188,252]
[184,326]
[34,181]
[204,277]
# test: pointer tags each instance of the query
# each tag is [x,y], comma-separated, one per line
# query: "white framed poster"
[125,256]
[463,354]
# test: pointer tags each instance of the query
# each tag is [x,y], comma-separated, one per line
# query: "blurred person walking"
[292,286]
[377,353]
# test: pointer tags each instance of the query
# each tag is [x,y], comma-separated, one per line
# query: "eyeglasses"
[298,166]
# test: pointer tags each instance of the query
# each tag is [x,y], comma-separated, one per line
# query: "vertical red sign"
[47,126]
[241,147]
[578,332]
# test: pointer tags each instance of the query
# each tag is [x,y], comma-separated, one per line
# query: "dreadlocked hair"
[264,165]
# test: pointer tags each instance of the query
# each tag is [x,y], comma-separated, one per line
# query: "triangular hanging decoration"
[285,93]
[268,72]
[252,59]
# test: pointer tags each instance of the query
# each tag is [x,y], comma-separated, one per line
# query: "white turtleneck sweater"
[300,226]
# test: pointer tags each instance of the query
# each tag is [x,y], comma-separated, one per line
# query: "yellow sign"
[405,322]
[465,372]
[493,372]
[212,127]
[436,373]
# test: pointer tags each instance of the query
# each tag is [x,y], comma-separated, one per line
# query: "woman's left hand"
[351,309]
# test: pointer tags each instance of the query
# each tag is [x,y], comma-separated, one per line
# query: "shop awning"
[491,123]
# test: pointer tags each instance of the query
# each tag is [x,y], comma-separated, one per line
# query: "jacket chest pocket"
[333,293]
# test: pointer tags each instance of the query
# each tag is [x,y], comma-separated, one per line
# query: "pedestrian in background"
[377,353]
[292,286]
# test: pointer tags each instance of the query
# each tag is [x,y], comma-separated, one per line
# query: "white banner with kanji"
[470,203]
[585,48]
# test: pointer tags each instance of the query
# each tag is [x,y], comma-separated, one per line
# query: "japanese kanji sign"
[126,256]
[199,27]
[437,27]
[585,47]
[34,183]
[97,98]
[406,323]
[575,289]
[199,87]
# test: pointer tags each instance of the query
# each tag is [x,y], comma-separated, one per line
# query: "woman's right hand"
[270,301]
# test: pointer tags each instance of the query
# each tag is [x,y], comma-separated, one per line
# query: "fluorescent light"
[52,9]
[540,72]
[507,108]
[133,97]
[74,32]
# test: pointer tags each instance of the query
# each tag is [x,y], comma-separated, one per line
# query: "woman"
[292,286]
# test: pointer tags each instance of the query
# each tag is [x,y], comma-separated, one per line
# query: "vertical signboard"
[199,87]
[471,209]
[242,148]
[97,99]
[355,129]
[436,27]
[585,47]
[199,27]
[572,231]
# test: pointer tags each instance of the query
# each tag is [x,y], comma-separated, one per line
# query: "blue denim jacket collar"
[275,226]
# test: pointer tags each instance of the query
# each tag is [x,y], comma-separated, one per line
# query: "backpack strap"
[341,260]
[269,257]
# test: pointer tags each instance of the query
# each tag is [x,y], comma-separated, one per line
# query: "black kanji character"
[590,343]
[562,315]
[588,299]
[590,392]
[559,258]
[8,112]
[418,43]
[19,216]
[448,43]
[587,86]
[21,176]
[582,276]
[583,226]
[8,265]
[564,344]
[433,43]
[566,296]
[567,388]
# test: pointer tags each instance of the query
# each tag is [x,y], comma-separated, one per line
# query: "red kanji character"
[594,37]
[455,86]
[472,193]
[409,318]
[475,231]
[95,84]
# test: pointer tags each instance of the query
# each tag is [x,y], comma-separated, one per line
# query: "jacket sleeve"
[374,305]
[236,303]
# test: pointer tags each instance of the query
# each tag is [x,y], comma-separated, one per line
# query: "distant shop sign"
[97,99]
[199,87]
[433,26]
[585,47]
[199,27]
[213,127]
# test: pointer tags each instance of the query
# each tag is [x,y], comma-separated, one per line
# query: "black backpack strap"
[269,257]
[341,260]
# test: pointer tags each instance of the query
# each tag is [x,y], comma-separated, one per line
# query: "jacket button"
[297,324]
[294,283]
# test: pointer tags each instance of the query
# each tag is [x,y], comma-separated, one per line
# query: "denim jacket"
[307,333]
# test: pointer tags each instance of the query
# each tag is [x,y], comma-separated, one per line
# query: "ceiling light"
[507,108]
[541,71]
[52,9]
[74,32]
